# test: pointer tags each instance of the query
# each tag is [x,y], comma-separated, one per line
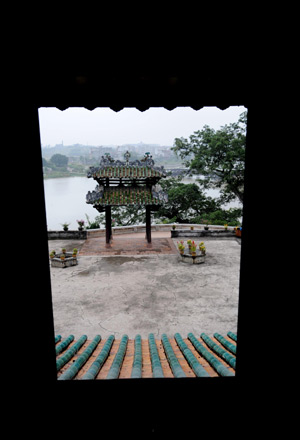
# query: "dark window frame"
[142,93]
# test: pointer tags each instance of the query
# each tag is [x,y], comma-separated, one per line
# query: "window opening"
[127,283]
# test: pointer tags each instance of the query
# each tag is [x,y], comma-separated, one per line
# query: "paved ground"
[129,244]
[142,291]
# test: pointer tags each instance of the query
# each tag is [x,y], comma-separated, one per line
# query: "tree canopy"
[218,156]
[59,160]
[185,201]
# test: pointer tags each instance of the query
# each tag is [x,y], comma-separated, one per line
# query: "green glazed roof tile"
[127,196]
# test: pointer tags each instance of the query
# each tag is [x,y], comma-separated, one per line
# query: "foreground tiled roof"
[136,358]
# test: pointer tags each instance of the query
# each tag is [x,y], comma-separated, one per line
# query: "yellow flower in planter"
[180,245]
[202,250]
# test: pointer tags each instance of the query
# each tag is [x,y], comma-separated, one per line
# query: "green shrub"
[220,217]
[95,224]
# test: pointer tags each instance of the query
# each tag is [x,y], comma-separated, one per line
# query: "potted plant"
[189,243]
[202,248]
[74,253]
[193,249]
[80,224]
[64,251]
[206,225]
[173,227]
[192,228]
[181,247]
[65,226]
[238,231]
[226,226]
[62,256]
[52,254]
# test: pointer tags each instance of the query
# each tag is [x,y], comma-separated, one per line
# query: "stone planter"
[67,262]
[190,259]
[202,233]
[67,235]
[187,257]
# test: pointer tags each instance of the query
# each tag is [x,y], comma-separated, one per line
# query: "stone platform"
[132,288]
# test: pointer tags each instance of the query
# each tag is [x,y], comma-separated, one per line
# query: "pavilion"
[124,183]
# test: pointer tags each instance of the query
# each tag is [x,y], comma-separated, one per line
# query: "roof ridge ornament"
[108,162]
[147,159]
[127,156]
[94,196]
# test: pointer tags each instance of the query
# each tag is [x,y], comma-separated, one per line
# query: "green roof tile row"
[190,358]
[125,172]
[127,196]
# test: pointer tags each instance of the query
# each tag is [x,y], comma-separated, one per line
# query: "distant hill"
[159,152]
[82,156]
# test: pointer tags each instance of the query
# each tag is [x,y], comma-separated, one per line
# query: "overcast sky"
[103,126]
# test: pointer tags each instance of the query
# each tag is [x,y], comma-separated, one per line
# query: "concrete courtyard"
[146,292]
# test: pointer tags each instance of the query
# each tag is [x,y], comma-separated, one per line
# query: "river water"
[65,200]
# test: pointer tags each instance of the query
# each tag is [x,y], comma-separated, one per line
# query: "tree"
[121,216]
[185,201]
[218,156]
[45,162]
[231,216]
[128,215]
[59,160]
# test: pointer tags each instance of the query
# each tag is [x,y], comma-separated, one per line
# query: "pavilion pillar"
[148,224]
[108,224]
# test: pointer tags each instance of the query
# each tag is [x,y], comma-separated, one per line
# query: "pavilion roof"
[117,169]
[123,196]
[123,171]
